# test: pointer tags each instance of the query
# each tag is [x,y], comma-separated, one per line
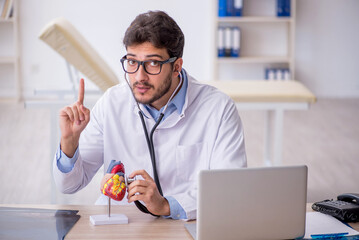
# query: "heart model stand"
[107,219]
[116,189]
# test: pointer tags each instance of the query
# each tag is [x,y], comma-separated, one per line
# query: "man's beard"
[162,90]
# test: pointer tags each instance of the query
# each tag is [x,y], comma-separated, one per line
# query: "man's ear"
[177,66]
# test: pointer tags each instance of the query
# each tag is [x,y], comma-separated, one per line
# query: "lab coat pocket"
[190,159]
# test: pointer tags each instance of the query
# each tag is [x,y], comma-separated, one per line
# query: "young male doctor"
[200,127]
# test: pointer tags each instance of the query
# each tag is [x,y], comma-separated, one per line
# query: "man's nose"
[141,74]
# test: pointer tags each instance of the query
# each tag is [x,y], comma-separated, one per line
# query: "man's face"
[150,89]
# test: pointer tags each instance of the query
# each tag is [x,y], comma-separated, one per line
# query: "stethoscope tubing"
[149,140]
[151,149]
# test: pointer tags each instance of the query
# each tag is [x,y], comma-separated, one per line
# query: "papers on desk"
[322,226]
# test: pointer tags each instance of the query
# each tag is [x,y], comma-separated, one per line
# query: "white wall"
[327,46]
[327,37]
[103,24]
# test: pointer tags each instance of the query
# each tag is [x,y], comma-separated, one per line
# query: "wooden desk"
[274,97]
[141,226]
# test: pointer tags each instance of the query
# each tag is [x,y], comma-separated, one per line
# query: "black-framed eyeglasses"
[152,67]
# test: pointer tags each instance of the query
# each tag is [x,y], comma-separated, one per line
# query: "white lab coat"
[208,134]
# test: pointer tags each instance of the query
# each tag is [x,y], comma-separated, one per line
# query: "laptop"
[251,203]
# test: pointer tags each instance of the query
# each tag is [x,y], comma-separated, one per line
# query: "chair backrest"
[64,38]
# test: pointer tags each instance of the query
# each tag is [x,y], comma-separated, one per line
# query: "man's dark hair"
[157,28]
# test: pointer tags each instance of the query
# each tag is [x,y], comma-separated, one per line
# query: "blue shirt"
[66,164]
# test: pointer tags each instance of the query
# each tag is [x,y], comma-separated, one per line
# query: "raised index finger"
[81,91]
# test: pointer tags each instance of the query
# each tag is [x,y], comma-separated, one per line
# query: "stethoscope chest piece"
[128,180]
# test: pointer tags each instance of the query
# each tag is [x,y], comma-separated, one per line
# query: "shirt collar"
[180,97]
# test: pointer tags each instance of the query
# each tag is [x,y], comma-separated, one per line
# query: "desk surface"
[265,91]
[141,226]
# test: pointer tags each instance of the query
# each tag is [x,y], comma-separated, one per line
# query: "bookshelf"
[9,55]
[266,41]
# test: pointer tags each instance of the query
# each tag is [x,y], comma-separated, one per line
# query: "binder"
[236,42]
[283,8]
[221,52]
[286,8]
[286,74]
[227,41]
[269,74]
[237,8]
[280,8]
[222,8]
[278,74]
[230,8]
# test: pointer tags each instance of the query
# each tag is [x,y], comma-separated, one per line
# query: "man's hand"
[73,120]
[146,191]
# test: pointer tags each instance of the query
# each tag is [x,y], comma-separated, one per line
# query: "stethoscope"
[149,140]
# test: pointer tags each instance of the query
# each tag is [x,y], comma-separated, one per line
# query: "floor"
[325,138]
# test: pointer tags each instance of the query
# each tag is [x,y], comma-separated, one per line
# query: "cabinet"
[9,56]
[266,42]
